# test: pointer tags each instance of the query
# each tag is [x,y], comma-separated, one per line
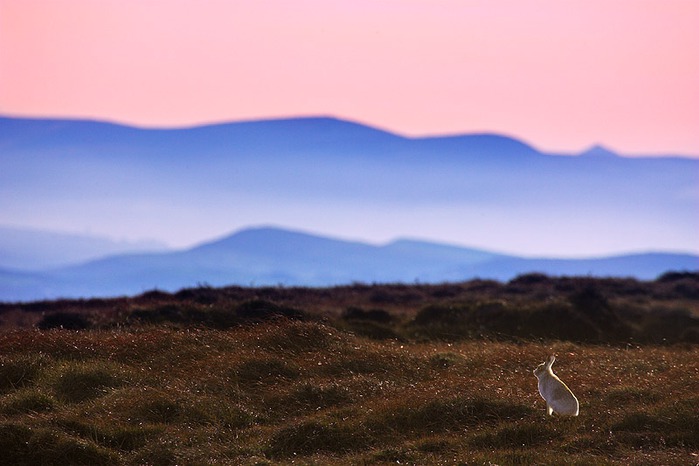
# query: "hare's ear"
[551,361]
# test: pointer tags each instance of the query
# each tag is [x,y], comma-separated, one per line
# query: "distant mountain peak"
[599,150]
[270,256]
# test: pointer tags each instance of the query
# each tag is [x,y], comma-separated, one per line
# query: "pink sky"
[561,75]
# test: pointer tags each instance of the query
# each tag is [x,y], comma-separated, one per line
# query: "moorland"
[359,374]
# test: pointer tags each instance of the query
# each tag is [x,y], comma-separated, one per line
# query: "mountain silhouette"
[339,177]
[273,256]
[599,151]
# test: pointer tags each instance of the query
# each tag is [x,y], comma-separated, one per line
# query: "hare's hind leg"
[549,409]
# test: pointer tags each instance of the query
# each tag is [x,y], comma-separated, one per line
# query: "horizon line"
[169,248]
[329,116]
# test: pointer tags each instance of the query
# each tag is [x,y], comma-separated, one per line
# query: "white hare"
[559,398]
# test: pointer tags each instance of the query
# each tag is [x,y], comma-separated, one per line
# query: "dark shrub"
[687,289]
[483,286]
[437,314]
[371,329]
[590,301]
[559,321]
[591,304]
[168,313]
[500,320]
[374,315]
[674,276]
[64,320]
[668,326]
[185,314]
[393,294]
[220,319]
[690,335]
[201,295]
[446,291]
[484,319]
[261,310]
[155,295]
[530,279]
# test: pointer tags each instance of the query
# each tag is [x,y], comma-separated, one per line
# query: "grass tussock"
[27,402]
[311,437]
[288,390]
[19,372]
[391,374]
[521,435]
[75,382]
[444,414]
[22,445]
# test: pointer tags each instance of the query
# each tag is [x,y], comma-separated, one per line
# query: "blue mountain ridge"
[272,256]
[329,172]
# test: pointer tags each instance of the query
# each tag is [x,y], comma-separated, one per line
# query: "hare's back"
[562,399]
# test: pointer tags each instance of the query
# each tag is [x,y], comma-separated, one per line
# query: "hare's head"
[544,367]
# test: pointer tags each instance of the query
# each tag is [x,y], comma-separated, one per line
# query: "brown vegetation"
[356,375]
[531,307]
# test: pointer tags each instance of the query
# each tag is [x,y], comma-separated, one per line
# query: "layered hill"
[271,256]
[343,179]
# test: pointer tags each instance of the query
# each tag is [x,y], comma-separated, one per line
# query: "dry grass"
[289,391]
